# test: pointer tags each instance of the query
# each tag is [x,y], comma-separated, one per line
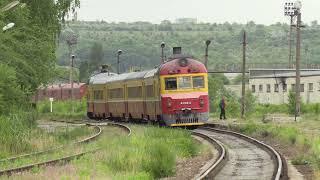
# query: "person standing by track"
[222,106]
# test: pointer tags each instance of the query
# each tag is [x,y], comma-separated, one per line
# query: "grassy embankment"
[302,136]
[19,135]
[62,110]
[150,153]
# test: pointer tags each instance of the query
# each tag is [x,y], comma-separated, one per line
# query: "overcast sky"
[241,11]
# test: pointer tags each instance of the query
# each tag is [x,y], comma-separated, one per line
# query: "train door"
[144,100]
[125,101]
[106,109]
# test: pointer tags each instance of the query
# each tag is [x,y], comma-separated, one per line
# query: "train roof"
[104,78]
[182,65]
[101,78]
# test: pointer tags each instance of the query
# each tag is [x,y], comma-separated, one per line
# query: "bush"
[11,95]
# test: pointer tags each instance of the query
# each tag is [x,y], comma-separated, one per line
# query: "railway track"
[240,157]
[25,167]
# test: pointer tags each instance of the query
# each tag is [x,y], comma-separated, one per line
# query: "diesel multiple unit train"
[173,94]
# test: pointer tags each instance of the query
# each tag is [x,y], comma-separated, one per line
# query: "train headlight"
[169,104]
[201,102]
[183,62]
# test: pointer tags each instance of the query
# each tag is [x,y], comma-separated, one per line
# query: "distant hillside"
[140,42]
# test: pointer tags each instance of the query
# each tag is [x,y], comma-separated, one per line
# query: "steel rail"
[9,172]
[280,171]
[218,163]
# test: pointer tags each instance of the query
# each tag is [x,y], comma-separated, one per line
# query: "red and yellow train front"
[184,92]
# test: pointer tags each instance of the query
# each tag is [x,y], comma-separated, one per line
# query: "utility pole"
[163,45]
[294,10]
[298,48]
[118,61]
[307,57]
[244,46]
[208,42]
[290,43]
[72,40]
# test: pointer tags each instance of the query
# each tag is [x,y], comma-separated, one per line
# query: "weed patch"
[150,153]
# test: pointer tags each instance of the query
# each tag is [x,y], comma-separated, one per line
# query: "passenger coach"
[174,94]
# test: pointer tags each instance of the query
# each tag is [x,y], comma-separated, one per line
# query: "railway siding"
[64,159]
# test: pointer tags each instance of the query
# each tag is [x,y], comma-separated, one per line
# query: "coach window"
[198,82]
[116,93]
[98,95]
[149,91]
[184,82]
[171,83]
[135,92]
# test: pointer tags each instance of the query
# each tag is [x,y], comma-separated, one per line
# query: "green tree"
[96,56]
[84,71]
[10,93]
[28,49]
[292,103]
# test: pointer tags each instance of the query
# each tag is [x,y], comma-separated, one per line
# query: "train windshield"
[184,82]
[198,82]
[171,83]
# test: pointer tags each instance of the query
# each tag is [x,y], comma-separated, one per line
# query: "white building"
[272,86]
[186,21]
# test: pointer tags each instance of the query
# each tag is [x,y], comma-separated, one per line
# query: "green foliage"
[68,134]
[238,79]
[63,109]
[140,42]
[150,153]
[15,133]
[292,103]
[27,60]
[10,93]
[216,90]
[250,103]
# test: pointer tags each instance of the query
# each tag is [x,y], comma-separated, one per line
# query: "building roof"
[281,73]
[63,86]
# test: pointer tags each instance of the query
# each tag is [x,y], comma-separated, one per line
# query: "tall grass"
[63,109]
[15,131]
[150,153]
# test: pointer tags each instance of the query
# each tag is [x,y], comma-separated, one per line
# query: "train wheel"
[90,115]
[130,118]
